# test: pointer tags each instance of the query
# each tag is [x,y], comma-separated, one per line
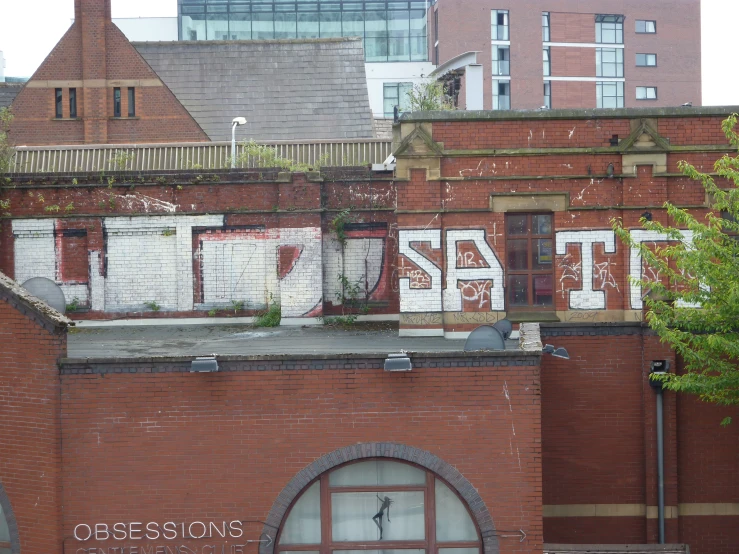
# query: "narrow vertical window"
[548,95]
[58,103]
[499,25]
[529,261]
[116,102]
[547,62]
[545,36]
[73,102]
[131,102]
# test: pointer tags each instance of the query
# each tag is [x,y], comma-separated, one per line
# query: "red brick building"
[570,54]
[439,243]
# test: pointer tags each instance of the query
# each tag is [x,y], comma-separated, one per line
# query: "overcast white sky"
[29,29]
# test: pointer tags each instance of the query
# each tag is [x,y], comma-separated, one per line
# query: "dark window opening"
[529,261]
[131,102]
[116,102]
[73,102]
[58,103]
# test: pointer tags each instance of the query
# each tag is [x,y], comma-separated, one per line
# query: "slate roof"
[286,89]
[8,92]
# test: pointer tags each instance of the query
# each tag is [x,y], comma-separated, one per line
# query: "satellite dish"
[505,327]
[48,291]
[485,337]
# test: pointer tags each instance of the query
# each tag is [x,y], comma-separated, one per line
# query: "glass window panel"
[285,26]
[303,525]
[263,25]
[308,25]
[518,290]
[542,254]
[517,224]
[403,90]
[240,26]
[543,290]
[517,253]
[542,224]
[217,27]
[375,473]
[352,516]
[453,521]
[459,551]
[352,24]
[330,24]
[418,22]
[398,35]
[193,27]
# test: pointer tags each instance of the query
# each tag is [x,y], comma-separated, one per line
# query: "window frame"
[616,66]
[646,89]
[530,236]
[389,85]
[131,101]
[646,30]
[609,23]
[116,102]
[548,94]
[500,31]
[328,545]
[497,95]
[600,85]
[546,27]
[73,103]
[646,59]
[58,104]
[501,65]
[547,59]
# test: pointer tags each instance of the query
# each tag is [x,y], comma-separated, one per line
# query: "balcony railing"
[184,156]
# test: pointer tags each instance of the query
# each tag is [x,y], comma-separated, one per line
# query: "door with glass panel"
[378,507]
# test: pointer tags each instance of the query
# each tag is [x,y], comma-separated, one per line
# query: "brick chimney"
[93,18]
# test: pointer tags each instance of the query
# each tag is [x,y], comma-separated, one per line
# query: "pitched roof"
[8,92]
[286,89]
[36,309]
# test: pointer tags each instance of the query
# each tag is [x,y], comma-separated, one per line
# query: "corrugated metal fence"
[184,156]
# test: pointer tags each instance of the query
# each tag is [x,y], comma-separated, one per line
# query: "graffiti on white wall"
[416,299]
[636,267]
[476,278]
[593,279]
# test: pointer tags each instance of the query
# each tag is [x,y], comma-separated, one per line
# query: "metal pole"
[660,468]
[233,145]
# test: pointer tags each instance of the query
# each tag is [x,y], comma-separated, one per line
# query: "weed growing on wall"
[6,150]
[153,306]
[270,317]
[260,155]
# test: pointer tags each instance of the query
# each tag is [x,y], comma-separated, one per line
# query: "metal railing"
[193,156]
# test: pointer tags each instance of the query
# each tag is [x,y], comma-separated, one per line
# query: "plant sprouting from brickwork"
[269,317]
[429,96]
[695,307]
[261,155]
[6,150]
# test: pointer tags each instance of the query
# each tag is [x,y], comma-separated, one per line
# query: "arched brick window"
[380,498]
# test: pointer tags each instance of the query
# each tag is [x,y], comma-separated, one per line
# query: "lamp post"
[235,123]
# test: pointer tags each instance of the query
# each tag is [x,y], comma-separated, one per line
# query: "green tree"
[694,307]
[6,150]
[429,96]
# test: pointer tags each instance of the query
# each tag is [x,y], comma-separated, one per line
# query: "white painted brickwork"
[420,300]
[360,261]
[455,275]
[588,298]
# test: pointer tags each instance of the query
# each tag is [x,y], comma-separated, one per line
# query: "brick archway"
[425,459]
[15,545]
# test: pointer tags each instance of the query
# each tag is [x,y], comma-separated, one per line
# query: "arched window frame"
[7,512]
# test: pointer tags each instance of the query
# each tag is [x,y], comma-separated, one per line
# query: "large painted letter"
[455,274]
[587,298]
[420,300]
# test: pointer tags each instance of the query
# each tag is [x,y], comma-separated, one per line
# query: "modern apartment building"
[574,54]
[393,32]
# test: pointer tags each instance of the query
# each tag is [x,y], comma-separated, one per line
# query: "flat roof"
[174,340]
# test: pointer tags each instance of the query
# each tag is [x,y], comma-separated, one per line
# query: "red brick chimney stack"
[93,17]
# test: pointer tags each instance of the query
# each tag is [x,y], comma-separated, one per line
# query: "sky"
[29,30]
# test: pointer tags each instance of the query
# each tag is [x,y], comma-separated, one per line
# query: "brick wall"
[30,457]
[222,446]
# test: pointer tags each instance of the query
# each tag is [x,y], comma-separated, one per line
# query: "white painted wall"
[392,72]
[144,29]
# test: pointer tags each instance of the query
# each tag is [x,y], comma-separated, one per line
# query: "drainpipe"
[660,367]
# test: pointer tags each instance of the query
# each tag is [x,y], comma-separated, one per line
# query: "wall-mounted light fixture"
[204,364]
[398,362]
[556,352]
